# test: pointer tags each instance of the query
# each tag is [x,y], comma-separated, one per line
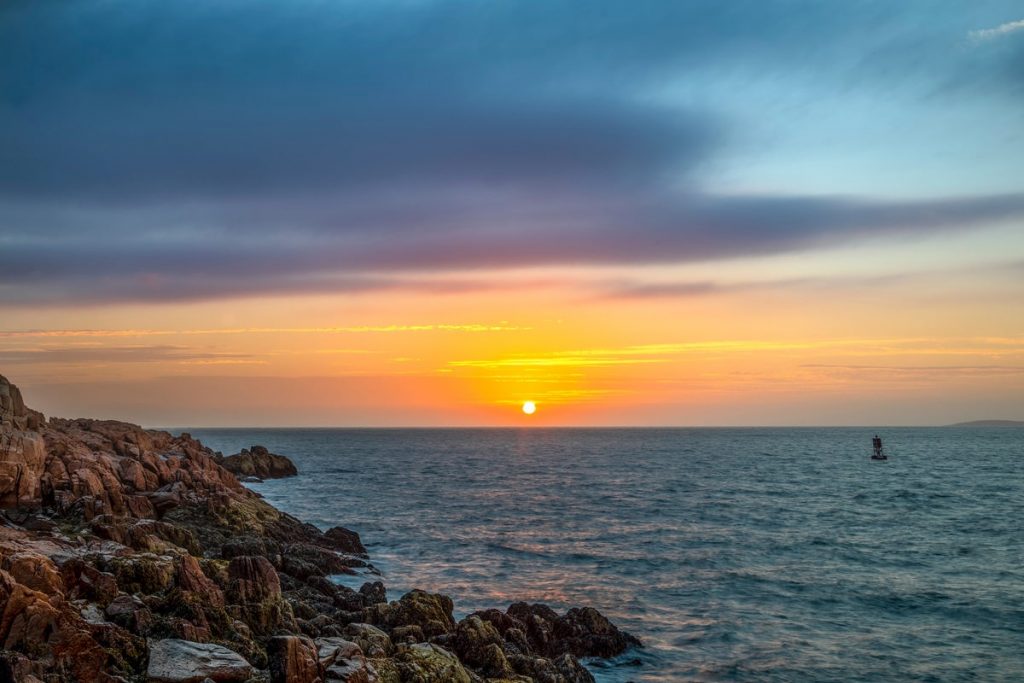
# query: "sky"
[427,212]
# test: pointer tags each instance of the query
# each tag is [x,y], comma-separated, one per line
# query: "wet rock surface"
[131,555]
[181,661]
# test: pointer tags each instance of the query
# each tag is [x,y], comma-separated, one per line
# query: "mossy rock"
[428,663]
[267,617]
[216,570]
[128,653]
[431,612]
[143,573]
[479,645]
[387,670]
[248,648]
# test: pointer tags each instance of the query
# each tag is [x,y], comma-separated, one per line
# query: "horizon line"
[608,427]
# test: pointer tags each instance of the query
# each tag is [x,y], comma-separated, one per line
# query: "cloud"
[640,230]
[669,351]
[438,327]
[167,152]
[586,360]
[119,354]
[659,290]
[998,31]
[904,374]
[641,354]
[996,369]
[641,289]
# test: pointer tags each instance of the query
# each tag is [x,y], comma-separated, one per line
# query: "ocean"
[734,554]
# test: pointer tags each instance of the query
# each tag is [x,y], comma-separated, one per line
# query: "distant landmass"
[989,423]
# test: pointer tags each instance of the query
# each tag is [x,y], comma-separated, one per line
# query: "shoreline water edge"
[129,554]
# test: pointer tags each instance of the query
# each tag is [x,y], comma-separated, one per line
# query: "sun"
[529,407]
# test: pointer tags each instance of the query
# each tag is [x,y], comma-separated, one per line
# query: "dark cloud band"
[154,151]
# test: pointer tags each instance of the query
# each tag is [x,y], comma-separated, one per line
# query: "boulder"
[303,560]
[585,632]
[22,450]
[293,659]
[479,645]
[34,571]
[373,593]
[370,639]
[251,545]
[431,612]
[428,663]
[564,669]
[260,463]
[86,581]
[253,579]
[582,632]
[130,613]
[352,671]
[345,540]
[47,629]
[538,623]
[254,592]
[190,578]
[410,633]
[144,573]
[181,661]
[330,650]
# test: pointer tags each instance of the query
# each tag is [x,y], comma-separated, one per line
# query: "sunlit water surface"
[734,554]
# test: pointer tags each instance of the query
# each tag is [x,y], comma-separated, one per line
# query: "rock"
[293,659]
[127,533]
[22,450]
[500,620]
[373,593]
[182,661]
[432,612]
[565,669]
[127,653]
[252,546]
[258,462]
[34,571]
[370,639]
[190,578]
[345,540]
[130,613]
[516,642]
[303,560]
[254,590]
[48,630]
[17,667]
[144,573]
[428,663]
[408,634]
[538,623]
[253,579]
[581,632]
[352,671]
[144,534]
[164,501]
[86,581]
[479,645]
[585,632]
[329,650]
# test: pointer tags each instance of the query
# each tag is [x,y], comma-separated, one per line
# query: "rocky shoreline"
[133,555]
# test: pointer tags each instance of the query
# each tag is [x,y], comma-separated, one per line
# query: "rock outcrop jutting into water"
[257,462]
[133,555]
